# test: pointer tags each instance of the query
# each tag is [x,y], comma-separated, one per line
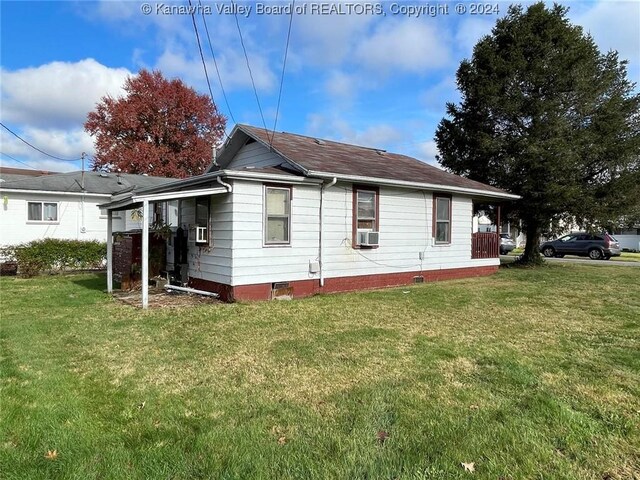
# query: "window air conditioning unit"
[368,239]
[202,235]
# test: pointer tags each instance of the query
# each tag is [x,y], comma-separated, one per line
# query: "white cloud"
[333,128]
[614,26]
[427,151]
[175,62]
[65,144]
[406,45]
[57,94]
[326,40]
[435,97]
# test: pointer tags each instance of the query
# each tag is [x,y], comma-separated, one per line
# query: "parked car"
[506,244]
[595,246]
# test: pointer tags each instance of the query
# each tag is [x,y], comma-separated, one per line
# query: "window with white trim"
[277,215]
[442,219]
[203,222]
[42,211]
[365,216]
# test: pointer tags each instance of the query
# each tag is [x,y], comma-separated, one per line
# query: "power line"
[204,64]
[215,63]
[36,148]
[284,66]
[16,160]
[246,57]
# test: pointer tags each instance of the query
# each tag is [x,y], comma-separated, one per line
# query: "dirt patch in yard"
[160,298]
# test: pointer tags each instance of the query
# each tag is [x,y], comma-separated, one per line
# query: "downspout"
[224,184]
[321,215]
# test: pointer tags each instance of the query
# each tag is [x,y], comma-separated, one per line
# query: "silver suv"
[595,246]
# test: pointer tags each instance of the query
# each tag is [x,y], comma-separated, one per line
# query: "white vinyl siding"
[238,256]
[75,220]
[210,262]
[254,155]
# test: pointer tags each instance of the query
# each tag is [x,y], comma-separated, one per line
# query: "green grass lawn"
[530,373]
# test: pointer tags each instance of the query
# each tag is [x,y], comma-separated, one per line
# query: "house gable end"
[254,155]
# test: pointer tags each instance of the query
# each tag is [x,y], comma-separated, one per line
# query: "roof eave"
[418,185]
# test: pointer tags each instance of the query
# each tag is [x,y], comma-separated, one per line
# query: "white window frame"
[208,225]
[42,203]
[357,189]
[436,221]
[265,216]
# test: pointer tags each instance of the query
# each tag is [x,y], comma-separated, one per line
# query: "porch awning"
[135,201]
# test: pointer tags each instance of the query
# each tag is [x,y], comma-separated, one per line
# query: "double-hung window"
[202,220]
[42,211]
[277,215]
[442,218]
[365,216]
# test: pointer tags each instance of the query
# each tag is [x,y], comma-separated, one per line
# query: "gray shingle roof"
[94,182]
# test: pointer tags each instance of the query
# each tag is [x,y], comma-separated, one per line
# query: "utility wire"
[246,57]
[215,63]
[36,148]
[204,64]
[284,66]
[16,160]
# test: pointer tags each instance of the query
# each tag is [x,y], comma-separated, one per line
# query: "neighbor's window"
[277,215]
[365,212]
[442,219]
[42,212]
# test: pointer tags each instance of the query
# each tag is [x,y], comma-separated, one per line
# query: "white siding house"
[56,206]
[295,216]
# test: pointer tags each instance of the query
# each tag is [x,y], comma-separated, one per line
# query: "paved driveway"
[504,259]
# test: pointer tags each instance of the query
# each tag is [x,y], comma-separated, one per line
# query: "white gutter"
[158,197]
[53,192]
[225,185]
[321,215]
[270,177]
[419,185]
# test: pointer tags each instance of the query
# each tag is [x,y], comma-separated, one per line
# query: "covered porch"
[145,200]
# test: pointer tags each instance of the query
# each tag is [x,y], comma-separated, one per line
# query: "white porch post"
[109,251]
[145,253]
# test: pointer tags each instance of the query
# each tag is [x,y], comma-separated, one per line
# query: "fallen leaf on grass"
[141,405]
[474,407]
[51,454]
[469,467]
[282,440]
[382,436]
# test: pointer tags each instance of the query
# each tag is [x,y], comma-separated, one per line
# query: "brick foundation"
[305,288]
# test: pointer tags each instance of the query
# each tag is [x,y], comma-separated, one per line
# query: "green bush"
[52,255]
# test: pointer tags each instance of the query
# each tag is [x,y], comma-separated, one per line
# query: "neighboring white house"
[284,213]
[65,205]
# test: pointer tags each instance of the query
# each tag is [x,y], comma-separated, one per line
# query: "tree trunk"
[531,255]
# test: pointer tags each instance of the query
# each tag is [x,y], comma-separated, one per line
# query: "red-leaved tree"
[160,127]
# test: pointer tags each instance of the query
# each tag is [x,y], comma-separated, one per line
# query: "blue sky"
[380,79]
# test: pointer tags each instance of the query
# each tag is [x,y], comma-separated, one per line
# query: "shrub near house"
[55,255]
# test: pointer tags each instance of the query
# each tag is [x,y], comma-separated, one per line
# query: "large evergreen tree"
[545,115]
[160,127]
